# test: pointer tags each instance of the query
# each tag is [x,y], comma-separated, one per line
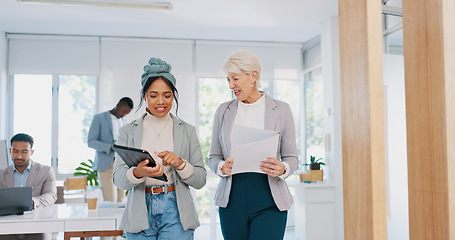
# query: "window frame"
[303,113]
[54,117]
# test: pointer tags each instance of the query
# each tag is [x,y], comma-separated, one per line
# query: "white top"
[158,136]
[117,123]
[251,115]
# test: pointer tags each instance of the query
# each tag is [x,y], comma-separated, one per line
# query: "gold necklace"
[159,133]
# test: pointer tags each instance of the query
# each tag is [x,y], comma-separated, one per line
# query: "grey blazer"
[101,138]
[186,146]
[278,117]
[41,178]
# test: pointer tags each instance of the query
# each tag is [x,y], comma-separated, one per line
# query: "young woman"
[158,209]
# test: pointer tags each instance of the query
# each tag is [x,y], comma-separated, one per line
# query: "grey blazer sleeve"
[93,139]
[288,147]
[198,179]
[44,188]
[3,183]
[120,167]
[216,151]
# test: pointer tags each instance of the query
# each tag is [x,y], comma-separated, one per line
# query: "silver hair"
[245,61]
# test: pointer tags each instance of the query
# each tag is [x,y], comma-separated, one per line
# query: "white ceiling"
[249,20]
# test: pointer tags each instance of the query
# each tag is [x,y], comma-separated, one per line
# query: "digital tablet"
[133,156]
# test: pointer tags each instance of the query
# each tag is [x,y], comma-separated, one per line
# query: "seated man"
[26,173]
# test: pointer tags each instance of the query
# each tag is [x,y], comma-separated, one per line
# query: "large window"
[289,91]
[76,109]
[56,111]
[32,112]
[212,92]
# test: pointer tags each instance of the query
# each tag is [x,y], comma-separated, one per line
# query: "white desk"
[63,218]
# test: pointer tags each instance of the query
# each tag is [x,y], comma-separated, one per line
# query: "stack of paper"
[250,146]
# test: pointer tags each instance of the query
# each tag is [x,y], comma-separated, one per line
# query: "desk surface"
[62,218]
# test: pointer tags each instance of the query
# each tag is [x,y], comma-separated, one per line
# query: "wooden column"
[364,195]
[429,59]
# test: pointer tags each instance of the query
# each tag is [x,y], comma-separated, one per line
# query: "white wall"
[330,58]
[119,63]
[41,54]
[122,62]
[396,157]
[3,83]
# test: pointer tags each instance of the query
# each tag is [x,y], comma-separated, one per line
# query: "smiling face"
[159,98]
[21,153]
[241,84]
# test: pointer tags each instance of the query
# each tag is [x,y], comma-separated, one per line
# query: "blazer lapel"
[32,176]
[228,120]
[109,121]
[178,134]
[9,176]
[271,117]
[137,132]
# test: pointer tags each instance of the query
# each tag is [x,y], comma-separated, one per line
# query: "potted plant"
[315,164]
[85,169]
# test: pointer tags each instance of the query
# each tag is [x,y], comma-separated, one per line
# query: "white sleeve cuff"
[286,172]
[219,172]
[187,171]
[132,178]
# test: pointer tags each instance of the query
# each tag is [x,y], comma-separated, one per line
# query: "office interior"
[99,52]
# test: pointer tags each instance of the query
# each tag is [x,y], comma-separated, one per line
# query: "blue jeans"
[164,220]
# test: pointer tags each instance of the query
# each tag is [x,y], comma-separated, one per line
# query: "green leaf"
[312,159]
[83,169]
[85,164]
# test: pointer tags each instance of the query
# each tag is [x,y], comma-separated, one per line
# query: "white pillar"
[330,58]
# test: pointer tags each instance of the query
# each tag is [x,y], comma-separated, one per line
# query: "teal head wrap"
[157,68]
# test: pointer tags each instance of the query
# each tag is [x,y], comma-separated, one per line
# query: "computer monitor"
[4,156]
[15,200]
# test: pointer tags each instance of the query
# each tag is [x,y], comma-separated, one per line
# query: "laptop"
[15,200]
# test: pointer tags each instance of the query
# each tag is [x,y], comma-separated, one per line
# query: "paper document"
[250,146]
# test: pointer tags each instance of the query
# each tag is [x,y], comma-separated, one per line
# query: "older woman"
[252,205]
[158,209]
